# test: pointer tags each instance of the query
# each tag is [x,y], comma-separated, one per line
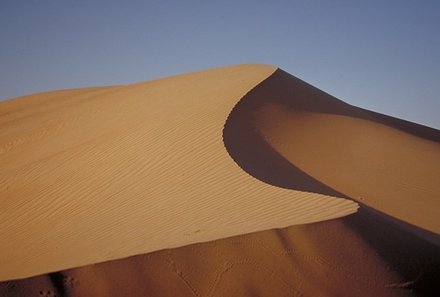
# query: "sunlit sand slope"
[97,174]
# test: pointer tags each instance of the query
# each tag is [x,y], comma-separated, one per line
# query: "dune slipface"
[104,173]
[313,138]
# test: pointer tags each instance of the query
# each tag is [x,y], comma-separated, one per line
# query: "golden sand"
[185,182]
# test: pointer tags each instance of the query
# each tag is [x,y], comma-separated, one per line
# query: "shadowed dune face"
[288,133]
[255,155]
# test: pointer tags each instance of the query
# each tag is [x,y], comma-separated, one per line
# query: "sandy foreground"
[234,181]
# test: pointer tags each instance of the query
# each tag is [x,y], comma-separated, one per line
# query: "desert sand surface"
[228,182]
[107,173]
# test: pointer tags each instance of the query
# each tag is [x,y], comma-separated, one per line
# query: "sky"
[380,55]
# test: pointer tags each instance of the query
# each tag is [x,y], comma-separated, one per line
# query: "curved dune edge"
[312,141]
[105,173]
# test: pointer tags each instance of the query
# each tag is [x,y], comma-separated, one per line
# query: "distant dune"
[225,182]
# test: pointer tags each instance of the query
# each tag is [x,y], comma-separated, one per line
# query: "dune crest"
[106,173]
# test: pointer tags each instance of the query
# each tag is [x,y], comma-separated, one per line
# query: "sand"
[198,178]
[385,163]
[114,172]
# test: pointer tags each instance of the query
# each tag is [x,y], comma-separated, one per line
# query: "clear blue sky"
[381,55]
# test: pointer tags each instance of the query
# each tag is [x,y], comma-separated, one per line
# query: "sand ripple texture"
[97,174]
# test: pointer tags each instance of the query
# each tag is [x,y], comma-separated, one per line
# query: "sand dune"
[106,173]
[93,175]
